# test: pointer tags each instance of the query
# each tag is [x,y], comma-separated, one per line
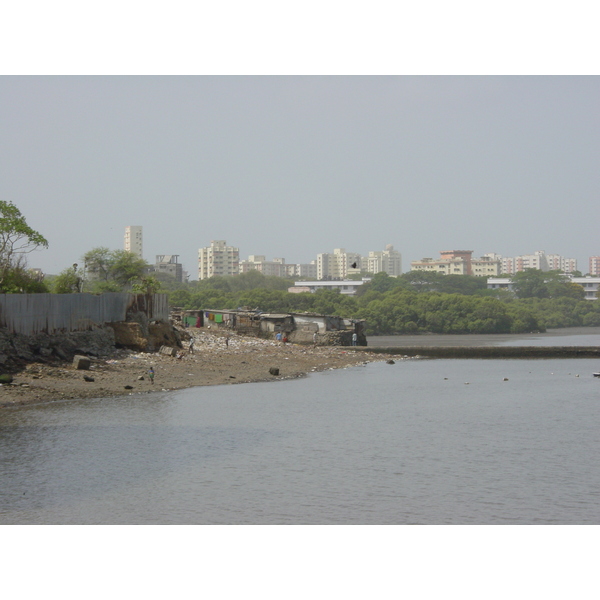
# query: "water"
[569,336]
[417,442]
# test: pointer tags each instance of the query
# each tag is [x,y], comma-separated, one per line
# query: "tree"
[16,239]
[146,285]
[113,270]
[127,267]
[421,280]
[530,283]
[98,262]
[68,281]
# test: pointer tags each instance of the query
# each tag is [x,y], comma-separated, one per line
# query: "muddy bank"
[213,360]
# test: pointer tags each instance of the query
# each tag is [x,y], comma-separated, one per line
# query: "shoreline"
[214,361]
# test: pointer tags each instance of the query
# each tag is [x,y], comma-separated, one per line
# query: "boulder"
[168,351]
[129,335]
[82,363]
[274,371]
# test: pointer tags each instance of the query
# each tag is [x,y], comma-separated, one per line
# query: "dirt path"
[213,361]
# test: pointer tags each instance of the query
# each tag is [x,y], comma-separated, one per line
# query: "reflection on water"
[431,441]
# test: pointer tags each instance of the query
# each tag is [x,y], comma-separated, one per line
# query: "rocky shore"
[215,359]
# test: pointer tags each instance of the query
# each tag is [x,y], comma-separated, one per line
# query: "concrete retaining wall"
[493,351]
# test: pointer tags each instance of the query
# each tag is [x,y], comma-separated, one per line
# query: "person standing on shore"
[151,374]
[191,346]
[354,339]
[278,337]
[315,337]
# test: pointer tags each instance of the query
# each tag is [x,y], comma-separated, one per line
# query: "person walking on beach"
[151,374]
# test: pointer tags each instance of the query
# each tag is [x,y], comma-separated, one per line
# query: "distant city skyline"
[297,165]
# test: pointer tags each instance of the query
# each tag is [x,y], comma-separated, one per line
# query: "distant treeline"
[412,303]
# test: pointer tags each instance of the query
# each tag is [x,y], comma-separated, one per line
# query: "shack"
[299,327]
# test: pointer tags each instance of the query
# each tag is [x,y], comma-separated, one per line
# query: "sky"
[293,166]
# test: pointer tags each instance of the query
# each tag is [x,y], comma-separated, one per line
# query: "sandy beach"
[213,361]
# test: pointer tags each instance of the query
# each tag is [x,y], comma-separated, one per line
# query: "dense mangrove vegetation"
[412,303]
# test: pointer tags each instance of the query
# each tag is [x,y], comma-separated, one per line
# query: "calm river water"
[416,442]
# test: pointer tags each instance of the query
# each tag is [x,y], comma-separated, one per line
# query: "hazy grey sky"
[291,166]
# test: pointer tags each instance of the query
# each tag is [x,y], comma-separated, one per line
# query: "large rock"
[129,335]
[168,351]
[163,334]
[82,363]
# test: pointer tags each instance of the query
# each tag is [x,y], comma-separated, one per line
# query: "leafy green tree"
[421,281]
[147,285]
[530,283]
[68,281]
[113,270]
[461,284]
[16,240]
[18,279]
[380,282]
[127,267]
[565,289]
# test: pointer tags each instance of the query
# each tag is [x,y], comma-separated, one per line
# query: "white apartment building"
[459,262]
[307,270]
[594,265]
[133,240]
[338,265]
[445,266]
[218,259]
[278,267]
[388,261]
[539,260]
[486,266]
[258,262]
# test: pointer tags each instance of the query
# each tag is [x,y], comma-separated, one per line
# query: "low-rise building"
[589,284]
[348,287]
[297,327]
[169,264]
[459,262]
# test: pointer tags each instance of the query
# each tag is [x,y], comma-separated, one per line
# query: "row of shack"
[298,328]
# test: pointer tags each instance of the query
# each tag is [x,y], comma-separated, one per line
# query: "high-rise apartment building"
[539,260]
[218,259]
[338,265]
[594,266]
[133,240]
[388,261]
[274,268]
